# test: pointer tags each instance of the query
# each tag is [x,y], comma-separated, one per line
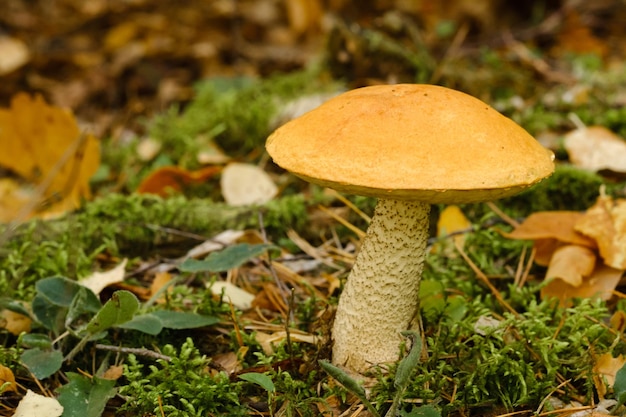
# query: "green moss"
[569,188]
[128,226]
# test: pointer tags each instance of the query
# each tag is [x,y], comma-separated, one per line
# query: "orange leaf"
[6,375]
[601,284]
[557,225]
[571,264]
[15,323]
[43,144]
[605,222]
[171,178]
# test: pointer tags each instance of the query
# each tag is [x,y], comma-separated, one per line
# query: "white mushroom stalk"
[409,145]
[381,295]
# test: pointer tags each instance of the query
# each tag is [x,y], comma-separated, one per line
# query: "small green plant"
[183,386]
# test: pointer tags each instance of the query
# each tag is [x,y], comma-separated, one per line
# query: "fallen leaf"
[268,341]
[239,298]
[571,263]
[148,149]
[244,184]
[114,372]
[37,405]
[15,323]
[596,148]
[6,375]
[605,222]
[600,284]
[43,145]
[451,221]
[13,54]
[170,179]
[210,153]
[557,225]
[544,249]
[605,368]
[160,280]
[98,281]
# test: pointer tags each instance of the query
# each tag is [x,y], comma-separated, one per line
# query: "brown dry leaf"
[170,179]
[228,362]
[114,372]
[6,375]
[268,341]
[557,225]
[244,184]
[605,222]
[43,145]
[596,148]
[571,263]
[577,36]
[544,249]
[15,323]
[604,372]
[452,220]
[618,321]
[600,284]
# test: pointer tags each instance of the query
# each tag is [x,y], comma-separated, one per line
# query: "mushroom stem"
[381,295]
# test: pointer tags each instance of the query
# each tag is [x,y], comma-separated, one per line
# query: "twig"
[135,351]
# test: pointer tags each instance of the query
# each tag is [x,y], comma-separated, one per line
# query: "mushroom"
[409,145]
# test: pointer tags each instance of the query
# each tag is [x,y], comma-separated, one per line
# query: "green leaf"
[58,296]
[423,411]
[119,309]
[619,387]
[51,316]
[42,363]
[146,323]
[408,364]
[85,397]
[59,291]
[350,383]
[261,380]
[35,340]
[182,320]
[226,259]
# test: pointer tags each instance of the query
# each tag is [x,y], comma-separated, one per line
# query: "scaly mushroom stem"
[381,295]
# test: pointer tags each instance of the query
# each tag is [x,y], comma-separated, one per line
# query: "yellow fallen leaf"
[15,323]
[605,368]
[451,220]
[605,222]
[44,146]
[6,375]
[161,279]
